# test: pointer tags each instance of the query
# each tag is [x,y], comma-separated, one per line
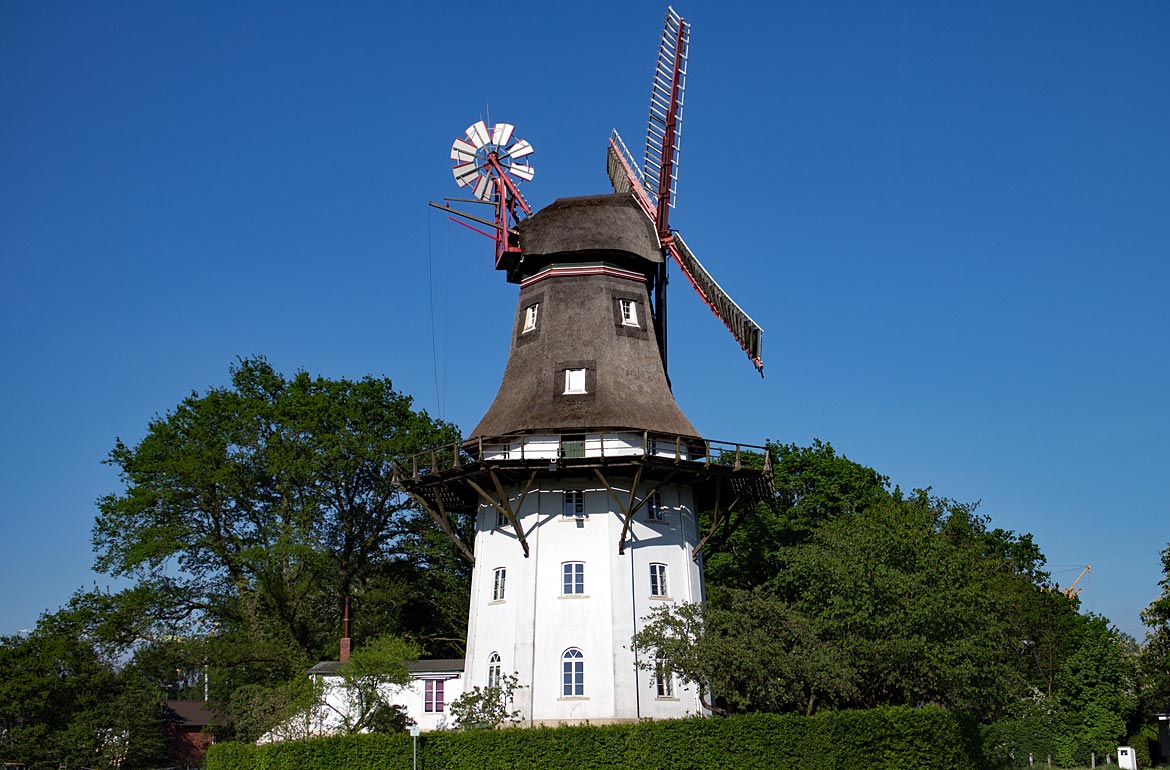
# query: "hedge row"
[892,738]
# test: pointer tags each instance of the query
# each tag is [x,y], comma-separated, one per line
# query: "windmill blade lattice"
[664,128]
[747,332]
[485,154]
[654,187]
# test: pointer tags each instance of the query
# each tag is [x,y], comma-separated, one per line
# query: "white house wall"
[535,623]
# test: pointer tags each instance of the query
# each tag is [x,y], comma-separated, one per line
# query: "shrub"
[892,738]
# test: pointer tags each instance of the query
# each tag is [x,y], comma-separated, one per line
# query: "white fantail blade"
[747,332]
[502,134]
[522,170]
[478,134]
[483,188]
[519,150]
[463,151]
[465,173]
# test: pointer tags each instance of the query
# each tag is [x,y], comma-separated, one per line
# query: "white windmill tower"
[584,478]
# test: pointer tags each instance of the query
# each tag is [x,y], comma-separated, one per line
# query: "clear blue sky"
[952,220]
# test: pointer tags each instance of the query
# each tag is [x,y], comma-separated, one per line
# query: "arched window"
[493,679]
[573,673]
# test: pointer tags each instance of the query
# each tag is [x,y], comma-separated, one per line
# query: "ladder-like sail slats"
[746,331]
[624,174]
[666,99]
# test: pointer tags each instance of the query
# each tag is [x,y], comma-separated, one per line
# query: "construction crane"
[1072,591]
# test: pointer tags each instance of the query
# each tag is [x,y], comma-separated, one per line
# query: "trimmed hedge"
[894,738]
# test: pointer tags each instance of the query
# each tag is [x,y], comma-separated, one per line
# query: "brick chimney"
[346,642]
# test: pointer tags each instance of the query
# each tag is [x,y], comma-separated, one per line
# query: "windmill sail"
[746,331]
[653,186]
[624,174]
[664,128]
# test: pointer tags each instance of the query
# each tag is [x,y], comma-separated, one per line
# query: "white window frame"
[574,504]
[501,520]
[572,673]
[499,584]
[654,509]
[659,587]
[573,578]
[493,676]
[575,381]
[629,312]
[663,679]
[433,696]
[530,316]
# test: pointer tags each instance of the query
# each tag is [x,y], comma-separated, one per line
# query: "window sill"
[573,596]
[573,697]
[661,598]
[496,601]
[574,519]
[666,698]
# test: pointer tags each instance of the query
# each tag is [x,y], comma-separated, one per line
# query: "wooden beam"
[512,516]
[627,508]
[444,522]
[715,519]
[502,507]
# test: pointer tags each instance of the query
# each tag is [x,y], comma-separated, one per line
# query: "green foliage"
[880,738]
[375,671]
[1096,692]
[755,651]
[862,596]
[63,700]
[813,485]
[259,709]
[302,707]
[249,513]
[915,600]
[274,498]
[1155,655]
[1086,713]
[486,708]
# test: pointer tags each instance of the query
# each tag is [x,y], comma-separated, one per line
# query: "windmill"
[584,447]
[654,186]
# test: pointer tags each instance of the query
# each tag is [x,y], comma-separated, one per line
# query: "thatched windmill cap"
[581,258]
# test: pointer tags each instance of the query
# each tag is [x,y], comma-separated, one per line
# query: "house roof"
[431,666]
[190,713]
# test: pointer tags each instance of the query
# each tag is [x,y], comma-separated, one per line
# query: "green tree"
[1097,691]
[813,485]
[255,509]
[916,600]
[753,651]
[486,708]
[371,677]
[358,699]
[1154,659]
[65,700]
